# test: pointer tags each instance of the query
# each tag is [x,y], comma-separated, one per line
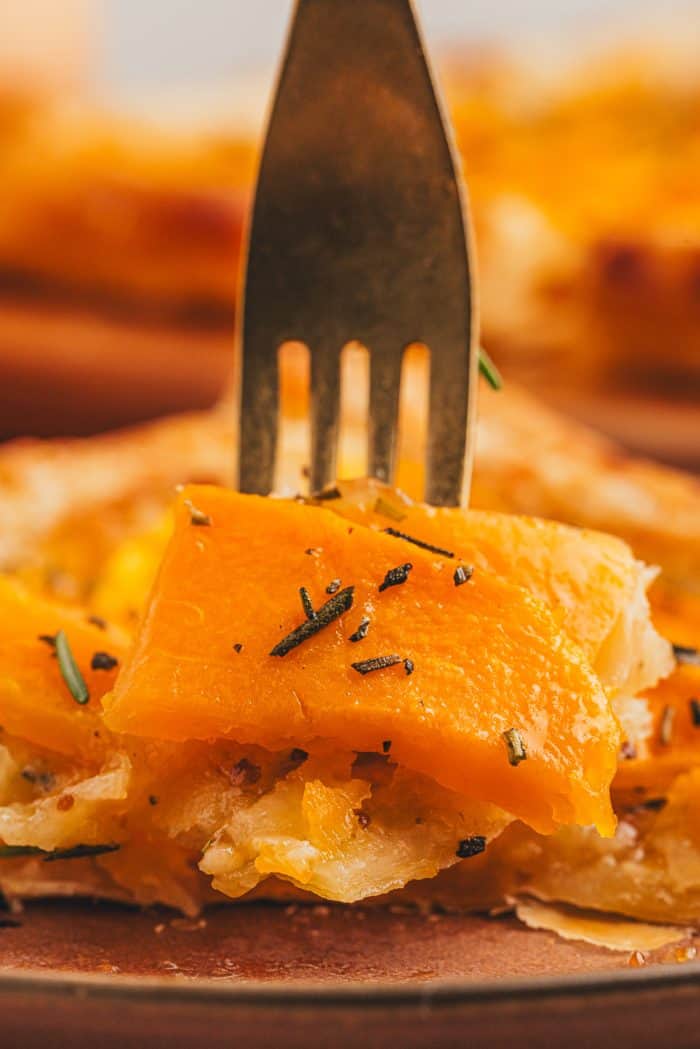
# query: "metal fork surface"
[358,232]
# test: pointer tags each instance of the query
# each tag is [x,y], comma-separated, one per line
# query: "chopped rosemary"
[70,670]
[395,576]
[333,587]
[326,494]
[361,632]
[48,639]
[489,370]
[238,647]
[386,746]
[694,711]
[515,746]
[9,852]
[367,666]
[684,654]
[98,621]
[326,614]
[463,574]
[419,542]
[79,852]
[306,603]
[471,847]
[76,852]
[387,509]
[103,661]
[409,666]
[197,517]
[152,799]
[666,726]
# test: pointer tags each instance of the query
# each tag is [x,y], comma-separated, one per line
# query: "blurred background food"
[127,151]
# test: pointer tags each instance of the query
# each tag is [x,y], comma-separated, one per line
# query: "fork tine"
[452,410]
[385,380]
[325,410]
[259,412]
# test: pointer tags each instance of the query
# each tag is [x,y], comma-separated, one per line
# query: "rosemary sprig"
[463,574]
[489,370]
[368,666]
[307,603]
[419,542]
[9,852]
[326,614]
[515,746]
[103,661]
[362,630]
[471,847]
[70,670]
[395,577]
[78,852]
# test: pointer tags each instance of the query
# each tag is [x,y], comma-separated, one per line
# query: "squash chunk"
[35,702]
[487,657]
[593,580]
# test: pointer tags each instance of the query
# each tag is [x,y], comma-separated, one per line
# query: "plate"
[73,974]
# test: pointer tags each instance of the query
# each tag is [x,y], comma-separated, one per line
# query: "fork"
[359,233]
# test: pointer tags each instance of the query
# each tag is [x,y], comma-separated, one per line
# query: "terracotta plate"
[75,974]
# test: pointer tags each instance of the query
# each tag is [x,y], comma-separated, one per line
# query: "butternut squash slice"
[489,661]
[36,704]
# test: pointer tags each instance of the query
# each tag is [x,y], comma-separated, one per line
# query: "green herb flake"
[326,614]
[463,574]
[489,370]
[395,577]
[362,630]
[307,603]
[79,852]
[10,852]
[103,661]
[471,847]
[368,666]
[515,746]
[328,494]
[419,542]
[70,670]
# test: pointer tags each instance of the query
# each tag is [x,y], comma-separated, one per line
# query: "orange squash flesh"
[488,657]
[588,576]
[35,702]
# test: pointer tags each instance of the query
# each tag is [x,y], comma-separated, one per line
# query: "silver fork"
[359,232]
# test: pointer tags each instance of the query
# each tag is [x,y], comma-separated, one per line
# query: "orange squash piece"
[35,702]
[591,579]
[487,658]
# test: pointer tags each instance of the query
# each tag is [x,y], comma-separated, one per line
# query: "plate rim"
[251,993]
